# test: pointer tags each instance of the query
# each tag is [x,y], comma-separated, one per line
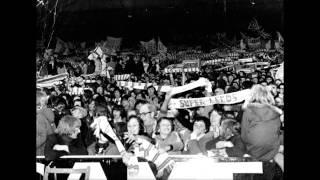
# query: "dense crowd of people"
[254,128]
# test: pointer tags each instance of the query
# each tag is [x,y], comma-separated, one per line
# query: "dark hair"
[54,101]
[205,120]
[184,118]
[154,89]
[101,110]
[141,125]
[231,124]
[120,109]
[165,118]
[140,101]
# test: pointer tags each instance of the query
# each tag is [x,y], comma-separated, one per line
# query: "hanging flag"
[268,45]
[112,43]
[60,46]
[253,25]
[242,45]
[150,46]
[162,49]
[280,38]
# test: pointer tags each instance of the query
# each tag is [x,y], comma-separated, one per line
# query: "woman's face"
[74,135]
[225,78]
[151,91]
[165,127]
[100,90]
[116,114]
[133,126]
[117,94]
[230,78]
[92,106]
[199,127]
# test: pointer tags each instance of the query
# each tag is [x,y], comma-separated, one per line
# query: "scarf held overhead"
[230,98]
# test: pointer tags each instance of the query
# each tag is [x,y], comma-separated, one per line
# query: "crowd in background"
[253,129]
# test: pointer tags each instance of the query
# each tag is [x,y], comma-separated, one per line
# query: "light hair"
[261,94]
[41,98]
[67,125]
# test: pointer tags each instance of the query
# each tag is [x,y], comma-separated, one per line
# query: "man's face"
[146,115]
[165,127]
[199,127]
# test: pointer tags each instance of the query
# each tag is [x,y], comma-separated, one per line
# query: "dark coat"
[76,146]
[45,127]
[238,149]
[260,130]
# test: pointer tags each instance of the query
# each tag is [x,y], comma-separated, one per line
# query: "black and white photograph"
[160,89]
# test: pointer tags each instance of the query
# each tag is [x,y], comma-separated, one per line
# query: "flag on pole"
[150,46]
[162,49]
[112,43]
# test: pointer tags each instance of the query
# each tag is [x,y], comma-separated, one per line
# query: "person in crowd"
[199,137]
[52,66]
[260,129]
[61,68]
[117,96]
[167,139]
[137,67]
[45,122]
[91,67]
[229,139]
[103,144]
[59,108]
[147,113]
[135,129]
[65,141]
[84,67]
[152,96]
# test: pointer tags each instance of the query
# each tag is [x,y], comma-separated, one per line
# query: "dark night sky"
[177,22]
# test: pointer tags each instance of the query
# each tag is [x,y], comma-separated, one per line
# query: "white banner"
[230,98]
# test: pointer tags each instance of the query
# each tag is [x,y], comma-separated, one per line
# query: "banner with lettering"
[230,98]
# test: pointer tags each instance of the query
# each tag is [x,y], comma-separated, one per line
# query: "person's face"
[165,127]
[133,126]
[225,78]
[230,78]
[215,118]
[74,135]
[281,89]
[139,96]
[255,80]
[92,106]
[132,113]
[116,114]
[146,115]
[218,91]
[117,94]
[264,83]
[268,80]
[199,127]
[278,82]
[60,107]
[125,104]
[151,91]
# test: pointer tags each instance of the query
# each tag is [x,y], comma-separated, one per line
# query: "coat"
[260,130]
[76,146]
[173,139]
[45,127]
